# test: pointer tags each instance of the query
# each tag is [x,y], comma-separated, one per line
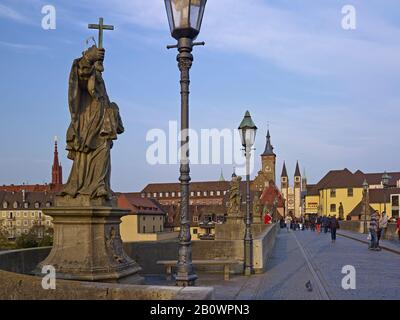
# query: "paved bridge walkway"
[300,257]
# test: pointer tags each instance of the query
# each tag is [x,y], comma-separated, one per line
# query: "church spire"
[56,170]
[269,149]
[297,172]
[284,171]
[221,178]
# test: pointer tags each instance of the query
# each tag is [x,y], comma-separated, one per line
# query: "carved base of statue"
[88,247]
[234,228]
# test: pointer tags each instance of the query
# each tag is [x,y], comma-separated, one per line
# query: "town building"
[340,192]
[20,211]
[146,221]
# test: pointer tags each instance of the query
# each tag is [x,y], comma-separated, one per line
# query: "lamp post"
[247,130]
[366,204]
[184,18]
[385,183]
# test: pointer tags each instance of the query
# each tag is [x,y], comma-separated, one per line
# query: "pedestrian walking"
[334,225]
[319,221]
[325,224]
[383,223]
[288,222]
[373,230]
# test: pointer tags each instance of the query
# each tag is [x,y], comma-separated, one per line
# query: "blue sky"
[331,96]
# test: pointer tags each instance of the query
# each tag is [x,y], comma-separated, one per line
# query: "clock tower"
[267,172]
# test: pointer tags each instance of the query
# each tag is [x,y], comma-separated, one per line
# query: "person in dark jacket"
[373,230]
[333,225]
[325,223]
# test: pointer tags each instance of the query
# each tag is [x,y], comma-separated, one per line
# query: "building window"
[48,204]
[144,229]
[195,219]
[198,193]
[25,223]
[37,205]
[350,192]
[4,214]
[160,228]
[154,229]
[333,193]
[211,193]
[25,214]
[179,194]
[144,218]
[173,194]
[167,194]
[192,194]
[333,207]
[205,193]
[5,205]
[155,195]
[395,200]
[161,194]
[26,231]
[26,205]
[32,214]
[18,222]
[15,205]
[194,231]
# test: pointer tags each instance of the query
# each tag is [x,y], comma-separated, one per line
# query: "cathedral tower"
[56,169]
[297,191]
[285,185]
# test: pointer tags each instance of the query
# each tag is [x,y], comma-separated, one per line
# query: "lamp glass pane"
[247,136]
[194,13]
[200,15]
[169,14]
[180,10]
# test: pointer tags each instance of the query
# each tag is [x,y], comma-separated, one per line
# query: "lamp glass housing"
[185,17]
[247,131]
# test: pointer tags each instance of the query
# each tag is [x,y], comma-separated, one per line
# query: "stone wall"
[263,247]
[148,253]
[17,284]
[358,226]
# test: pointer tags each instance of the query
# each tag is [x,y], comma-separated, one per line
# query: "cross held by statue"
[101,26]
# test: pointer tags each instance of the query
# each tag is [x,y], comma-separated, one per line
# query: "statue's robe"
[95,122]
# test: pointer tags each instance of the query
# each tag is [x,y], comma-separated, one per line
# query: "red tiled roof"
[139,205]
[378,195]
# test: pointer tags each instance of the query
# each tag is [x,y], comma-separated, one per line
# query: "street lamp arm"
[175,46]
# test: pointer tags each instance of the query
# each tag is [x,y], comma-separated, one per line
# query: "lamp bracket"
[175,46]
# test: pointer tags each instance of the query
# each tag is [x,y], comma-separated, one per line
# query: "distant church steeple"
[221,177]
[297,172]
[269,149]
[56,170]
[284,171]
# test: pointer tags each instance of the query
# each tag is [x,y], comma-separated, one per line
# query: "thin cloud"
[22,46]
[11,14]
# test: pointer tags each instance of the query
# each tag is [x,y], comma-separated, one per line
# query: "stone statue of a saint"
[95,123]
[234,196]
[341,212]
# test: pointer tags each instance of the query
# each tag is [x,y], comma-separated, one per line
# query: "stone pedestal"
[88,247]
[234,228]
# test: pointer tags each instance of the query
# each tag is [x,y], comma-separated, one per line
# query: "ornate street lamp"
[385,183]
[366,204]
[185,17]
[248,130]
